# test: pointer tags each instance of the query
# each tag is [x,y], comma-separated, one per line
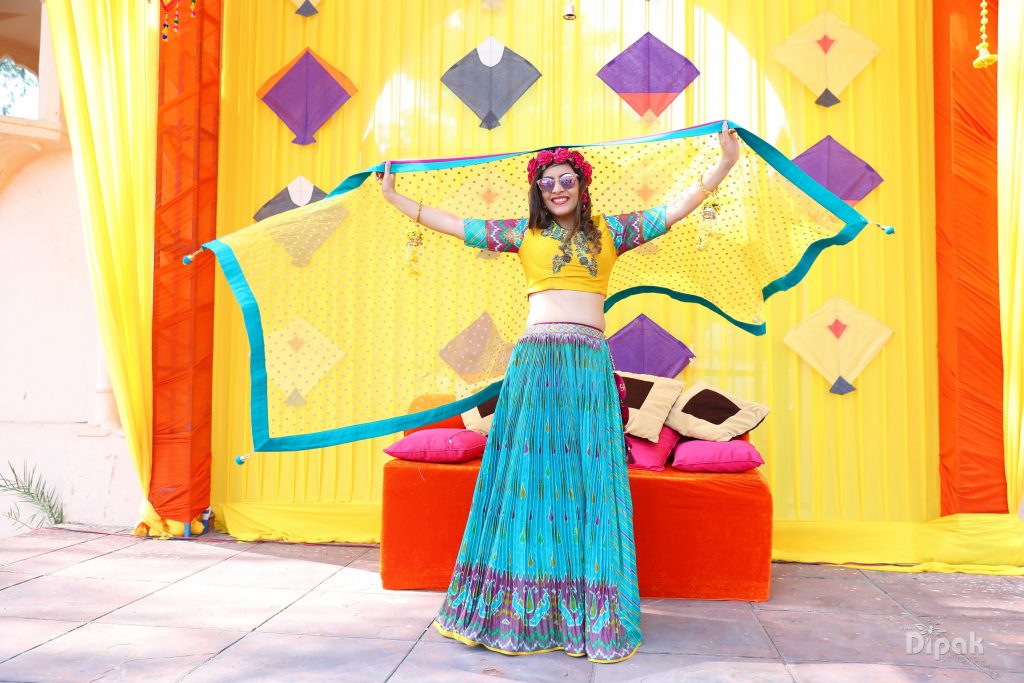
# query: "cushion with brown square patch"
[648,398]
[479,417]
[705,412]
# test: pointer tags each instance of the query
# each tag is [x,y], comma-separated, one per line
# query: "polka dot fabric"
[327,287]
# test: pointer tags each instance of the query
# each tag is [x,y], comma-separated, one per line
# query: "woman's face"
[560,200]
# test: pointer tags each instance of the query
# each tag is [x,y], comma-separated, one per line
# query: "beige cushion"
[704,412]
[479,418]
[649,398]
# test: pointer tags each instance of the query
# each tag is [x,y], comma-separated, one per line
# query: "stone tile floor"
[81,604]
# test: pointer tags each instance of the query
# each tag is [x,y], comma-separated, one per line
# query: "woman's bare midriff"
[566,306]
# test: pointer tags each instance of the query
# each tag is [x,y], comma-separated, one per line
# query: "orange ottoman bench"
[698,535]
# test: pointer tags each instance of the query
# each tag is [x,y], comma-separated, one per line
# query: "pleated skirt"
[547,560]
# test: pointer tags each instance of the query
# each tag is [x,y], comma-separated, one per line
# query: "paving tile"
[63,558]
[39,542]
[454,661]
[8,579]
[156,560]
[391,615]
[71,598]
[842,637]
[265,571]
[815,571]
[702,627]
[356,579]
[25,634]
[818,595]
[651,668]
[273,657]
[971,595]
[333,554]
[842,672]
[114,652]
[193,604]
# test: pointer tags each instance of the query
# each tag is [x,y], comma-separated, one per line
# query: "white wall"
[48,350]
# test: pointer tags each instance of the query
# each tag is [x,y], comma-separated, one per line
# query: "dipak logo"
[929,639]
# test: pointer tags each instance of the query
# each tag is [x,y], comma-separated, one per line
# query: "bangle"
[418,209]
[706,191]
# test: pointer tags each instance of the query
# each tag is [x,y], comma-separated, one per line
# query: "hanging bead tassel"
[414,241]
[984,58]
[240,460]
[187,260]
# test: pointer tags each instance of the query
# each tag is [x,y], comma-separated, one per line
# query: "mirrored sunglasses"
[566,180]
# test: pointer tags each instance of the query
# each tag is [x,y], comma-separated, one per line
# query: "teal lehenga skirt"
[547,560]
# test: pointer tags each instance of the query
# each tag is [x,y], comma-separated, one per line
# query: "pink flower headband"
[560,155]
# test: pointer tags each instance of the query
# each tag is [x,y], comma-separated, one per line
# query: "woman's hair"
[540,217]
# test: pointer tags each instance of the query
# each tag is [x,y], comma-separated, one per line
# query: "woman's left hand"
[729,139]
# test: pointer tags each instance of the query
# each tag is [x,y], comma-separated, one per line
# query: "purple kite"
[649,75]
[642,346]
[306,93]
[839,170]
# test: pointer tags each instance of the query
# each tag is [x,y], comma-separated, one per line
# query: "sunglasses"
[566,180]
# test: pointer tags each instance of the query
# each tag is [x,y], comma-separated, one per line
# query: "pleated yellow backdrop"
[839,467]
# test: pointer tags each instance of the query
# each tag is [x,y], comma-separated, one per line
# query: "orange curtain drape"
[967,260]
[186,208]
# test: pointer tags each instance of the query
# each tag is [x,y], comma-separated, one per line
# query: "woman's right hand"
[387,181]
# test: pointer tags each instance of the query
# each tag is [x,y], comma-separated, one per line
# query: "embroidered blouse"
[551,262]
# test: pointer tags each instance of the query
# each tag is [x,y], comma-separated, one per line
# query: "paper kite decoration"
[825,55]
[642,346]
[839,169]
[301,240]
[648,75]
[306,93]
[298,192]
[299,357]
[479,352]
[489,80]
[306,8]
[838,340]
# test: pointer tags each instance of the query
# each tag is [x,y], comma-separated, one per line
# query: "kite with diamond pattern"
[838,340]
[825,54]
[489,80]
[645,347]
[648,75]
[305,94]
[840,170]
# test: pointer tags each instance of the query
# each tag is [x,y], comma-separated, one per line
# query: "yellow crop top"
[551,263]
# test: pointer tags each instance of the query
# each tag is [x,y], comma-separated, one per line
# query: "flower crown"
[559,155]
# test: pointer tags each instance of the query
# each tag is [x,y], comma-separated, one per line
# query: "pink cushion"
[644,455]
[715,456]
[445,445]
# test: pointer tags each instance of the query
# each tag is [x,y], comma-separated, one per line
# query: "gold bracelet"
[706,191]
[418,209]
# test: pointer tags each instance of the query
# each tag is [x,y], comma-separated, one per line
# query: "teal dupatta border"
[262,441]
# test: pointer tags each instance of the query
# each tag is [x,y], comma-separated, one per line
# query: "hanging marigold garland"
[984,58]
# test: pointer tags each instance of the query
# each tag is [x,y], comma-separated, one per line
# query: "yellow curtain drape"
[854,478]
[106,55]
[1011,243]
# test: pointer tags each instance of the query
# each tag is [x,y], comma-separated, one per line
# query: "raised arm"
[435,219]
[695,195]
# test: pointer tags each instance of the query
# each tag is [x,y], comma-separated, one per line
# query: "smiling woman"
[547,561]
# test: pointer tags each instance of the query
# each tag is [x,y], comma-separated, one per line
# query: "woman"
[547,559]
